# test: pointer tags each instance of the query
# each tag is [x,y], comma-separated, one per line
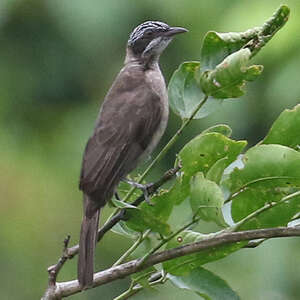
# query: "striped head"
[151,38]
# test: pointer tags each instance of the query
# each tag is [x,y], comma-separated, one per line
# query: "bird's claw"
[143,187]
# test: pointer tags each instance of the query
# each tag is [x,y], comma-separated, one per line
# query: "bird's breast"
[156,81]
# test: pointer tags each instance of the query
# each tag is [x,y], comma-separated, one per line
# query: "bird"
[131,121]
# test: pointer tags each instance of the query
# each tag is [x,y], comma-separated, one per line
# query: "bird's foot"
[143,187]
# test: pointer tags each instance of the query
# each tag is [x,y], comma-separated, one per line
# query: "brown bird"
[131,121]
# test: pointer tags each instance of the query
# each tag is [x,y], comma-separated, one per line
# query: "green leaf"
[217,46]
[215,173]
[267,166]
[200,155]
[219,128]
[277,215]
[269,173]
[184,264]
[122,229]
[206,284]
[185,94]
[121,204]
[153,216]
[202,152]
[285,130]
[269,28]
[207,199]
[229,77]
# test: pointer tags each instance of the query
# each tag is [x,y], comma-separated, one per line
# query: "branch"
[65,289]
[69,253]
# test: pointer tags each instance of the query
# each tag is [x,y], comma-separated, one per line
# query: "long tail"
[87,243]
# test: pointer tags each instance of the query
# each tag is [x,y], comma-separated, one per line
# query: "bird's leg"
[143,187]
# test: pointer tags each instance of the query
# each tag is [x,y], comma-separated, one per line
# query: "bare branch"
[54,270]
[68,288]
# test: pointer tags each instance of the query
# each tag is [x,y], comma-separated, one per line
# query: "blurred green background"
[57,61]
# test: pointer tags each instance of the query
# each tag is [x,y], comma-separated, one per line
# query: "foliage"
[261,185]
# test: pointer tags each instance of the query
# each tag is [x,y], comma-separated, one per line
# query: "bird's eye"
[148,33]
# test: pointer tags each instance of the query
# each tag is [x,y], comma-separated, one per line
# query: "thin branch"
[132,248]
[54,270]
[68,288]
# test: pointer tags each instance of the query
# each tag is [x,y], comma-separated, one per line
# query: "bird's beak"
[175,30]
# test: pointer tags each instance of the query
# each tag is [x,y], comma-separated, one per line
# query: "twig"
[54,270]
[132,248]
[68,288]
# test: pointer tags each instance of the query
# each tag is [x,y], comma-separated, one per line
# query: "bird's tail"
[87,243]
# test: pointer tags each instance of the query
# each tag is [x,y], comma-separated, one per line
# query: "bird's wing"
[127,122]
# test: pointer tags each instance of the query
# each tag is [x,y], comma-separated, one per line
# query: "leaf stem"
[132,248]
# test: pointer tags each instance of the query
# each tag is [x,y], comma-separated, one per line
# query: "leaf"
[153,216]
[122,229]
[276,215]
[206,284]
[185,94]
[269,173]
[216,171]
[269,28]
[199,155]
[184,264]
[217,46]
[202,152]
[207,199]
[267,166]
[224,71]
[121,204]
[229,77]
[285,130]
[219,128]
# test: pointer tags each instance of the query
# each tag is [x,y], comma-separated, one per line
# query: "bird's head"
[148,40]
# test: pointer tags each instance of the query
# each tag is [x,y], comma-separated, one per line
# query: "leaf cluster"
[220,181]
